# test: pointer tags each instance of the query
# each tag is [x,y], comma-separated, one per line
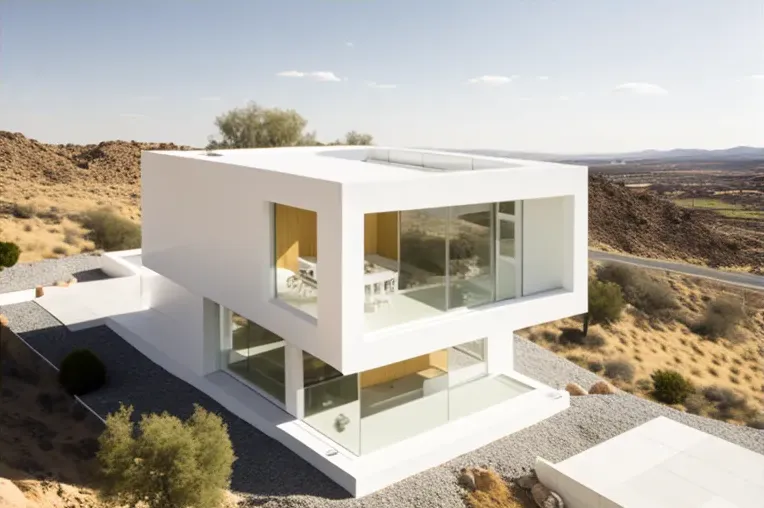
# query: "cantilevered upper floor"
[368,256]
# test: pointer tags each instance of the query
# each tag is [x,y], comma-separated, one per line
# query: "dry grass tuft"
[493,492]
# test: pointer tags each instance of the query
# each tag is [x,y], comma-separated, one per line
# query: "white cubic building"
[358,304]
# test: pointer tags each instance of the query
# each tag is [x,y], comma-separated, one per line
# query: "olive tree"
[254,126]
[167,463]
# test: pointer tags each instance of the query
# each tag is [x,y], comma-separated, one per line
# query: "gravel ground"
[274,477]
[22,276]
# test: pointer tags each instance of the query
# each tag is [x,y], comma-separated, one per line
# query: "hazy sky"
[547,75]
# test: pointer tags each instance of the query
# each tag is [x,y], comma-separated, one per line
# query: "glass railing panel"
[402,408]
[333,408]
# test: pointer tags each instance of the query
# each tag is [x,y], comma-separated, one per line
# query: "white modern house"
[358,304]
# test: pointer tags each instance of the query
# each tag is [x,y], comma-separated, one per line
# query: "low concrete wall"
[572,492]
[114,264]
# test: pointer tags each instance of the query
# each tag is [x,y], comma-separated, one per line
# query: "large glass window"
[383,406]
[295,241]
[444,259]
[470,248]
[257,356]
[423,258]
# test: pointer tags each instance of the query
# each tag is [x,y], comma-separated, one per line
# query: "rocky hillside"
[645,224]
[108,162]
[71,178]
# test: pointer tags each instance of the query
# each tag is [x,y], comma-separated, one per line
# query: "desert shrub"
[109,231]
[697,404]
[60,250]
[670,387]
[721,318]
[639,289]
[9,254]
[756,422]
[594,340]
[605,302]
[82,372]
[644,384]
[23,211]
[167,462]
[727,402]
[619,369]
[595,366]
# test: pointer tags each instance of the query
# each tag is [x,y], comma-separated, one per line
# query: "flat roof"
[664,464]
[357,164]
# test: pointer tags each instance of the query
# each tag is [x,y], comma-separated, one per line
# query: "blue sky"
[547,75]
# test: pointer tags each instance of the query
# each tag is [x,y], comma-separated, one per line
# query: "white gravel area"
[273,477]
[22,276]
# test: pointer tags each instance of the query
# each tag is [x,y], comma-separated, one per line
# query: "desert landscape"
[50,196]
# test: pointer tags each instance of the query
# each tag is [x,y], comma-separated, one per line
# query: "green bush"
[82,372]
[110,232]
[653,297]
[9,254]
[605,302]
[721,318]
[670,387]
[168,462]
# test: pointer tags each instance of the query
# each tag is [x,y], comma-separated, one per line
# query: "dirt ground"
[47,440]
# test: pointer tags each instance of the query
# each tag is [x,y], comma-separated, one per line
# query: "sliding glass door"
[508,249]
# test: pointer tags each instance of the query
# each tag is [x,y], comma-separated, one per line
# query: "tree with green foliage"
[605,303]
[168,463]
[254,126]
[9,254]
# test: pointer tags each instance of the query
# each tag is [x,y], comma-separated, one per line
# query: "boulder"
[38,291]
[467,479]
[545,498]
[527,482]
[602,388]
[3,321]
[575,389]
[73,280]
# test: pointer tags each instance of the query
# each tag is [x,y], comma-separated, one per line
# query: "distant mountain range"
[738,153]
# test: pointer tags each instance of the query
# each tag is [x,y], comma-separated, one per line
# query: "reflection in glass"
[258,356]
[423,256]
[469,247]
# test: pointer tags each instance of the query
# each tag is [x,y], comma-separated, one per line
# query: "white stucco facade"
[209,250]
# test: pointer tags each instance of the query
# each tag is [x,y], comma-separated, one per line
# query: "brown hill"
[72,178]
[647,225]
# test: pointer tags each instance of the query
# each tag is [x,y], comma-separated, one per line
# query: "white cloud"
[143,98]
[543,78]
[211,98]
[350,44]
[315,76]
[757,77]
[563,98]
[525,99]
[492,80]
[640,89]
[380,85]
[133,115]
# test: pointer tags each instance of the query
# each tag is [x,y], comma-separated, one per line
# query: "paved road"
[737,279]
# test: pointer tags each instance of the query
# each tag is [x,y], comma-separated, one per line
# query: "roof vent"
[213,154]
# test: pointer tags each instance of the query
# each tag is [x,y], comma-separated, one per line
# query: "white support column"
[212,336]
[500,351]
[293,381]
[341,292]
